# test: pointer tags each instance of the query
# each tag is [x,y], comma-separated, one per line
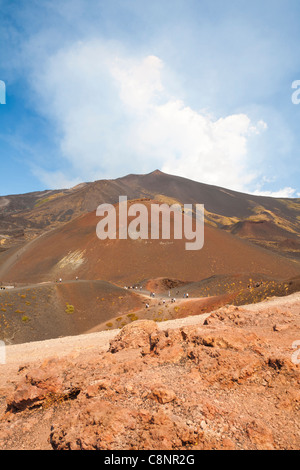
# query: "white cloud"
[114,114]
[140,82]
[282,193]
[55,179]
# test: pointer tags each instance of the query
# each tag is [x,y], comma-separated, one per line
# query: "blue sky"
[197,88]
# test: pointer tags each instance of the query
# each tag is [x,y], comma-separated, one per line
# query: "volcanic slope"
[74,250]
[23,217]
[175,299]
[51,310]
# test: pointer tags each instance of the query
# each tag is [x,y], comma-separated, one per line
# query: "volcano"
[50,239]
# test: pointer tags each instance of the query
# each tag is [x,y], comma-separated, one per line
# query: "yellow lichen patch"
[216,220]
[261,213]
[47,199]
[167,200]
[73,259]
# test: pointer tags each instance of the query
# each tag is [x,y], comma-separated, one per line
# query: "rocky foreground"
[230,383]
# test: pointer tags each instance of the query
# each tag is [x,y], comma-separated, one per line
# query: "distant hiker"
[147,305]
[187,295]
[60,280]
[76,278]
[184,296]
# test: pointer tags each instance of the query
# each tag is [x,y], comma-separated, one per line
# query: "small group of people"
[171,300]
[133,287]
[60,279]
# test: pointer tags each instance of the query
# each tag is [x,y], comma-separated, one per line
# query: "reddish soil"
[162,285]
[260,230]
[55,254]
[230,383]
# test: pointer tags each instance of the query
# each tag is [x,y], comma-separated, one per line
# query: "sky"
[98,89]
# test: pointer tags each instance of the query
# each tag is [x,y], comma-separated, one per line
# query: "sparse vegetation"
[132,317]
[69,309]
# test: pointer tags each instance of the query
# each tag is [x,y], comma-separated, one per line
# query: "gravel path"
[60,347]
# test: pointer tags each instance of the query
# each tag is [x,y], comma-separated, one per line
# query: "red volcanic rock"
[134,336]
[229,315]
[103,426]
[25,396]
[40,385]
[167,345]
[260,435]
[217,386]
[162,394]
[280,327]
